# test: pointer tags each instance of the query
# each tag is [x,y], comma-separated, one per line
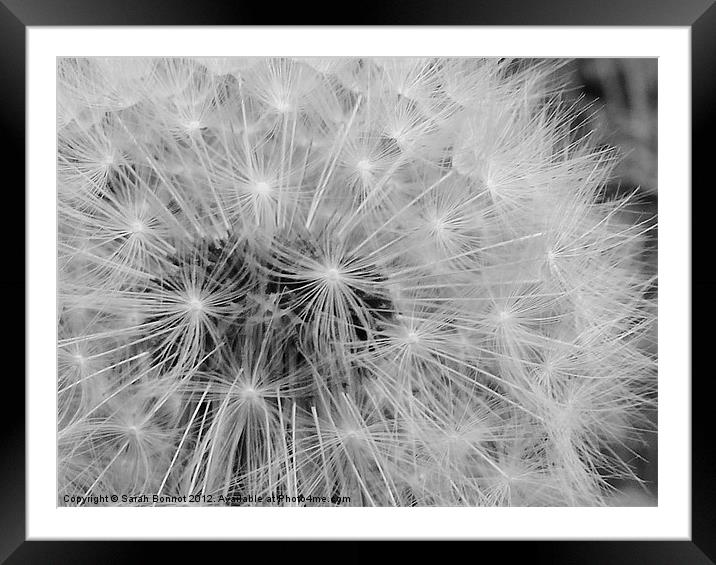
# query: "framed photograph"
[404,280]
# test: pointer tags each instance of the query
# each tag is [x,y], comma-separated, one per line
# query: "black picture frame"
[699,15]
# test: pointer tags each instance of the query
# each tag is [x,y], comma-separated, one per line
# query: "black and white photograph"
[432,273]
[356,281]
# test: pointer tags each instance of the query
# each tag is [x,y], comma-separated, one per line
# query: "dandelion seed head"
[193,127]
[137,227]
[438,226]
[350,435]
[412,337]
[249,394]
[394,279]
[282,105]
[80,359]
[262,188]
[364,166]
[503,316]
[331,273]
[195,304]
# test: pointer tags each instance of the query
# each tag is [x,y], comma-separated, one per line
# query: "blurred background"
[624,94]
